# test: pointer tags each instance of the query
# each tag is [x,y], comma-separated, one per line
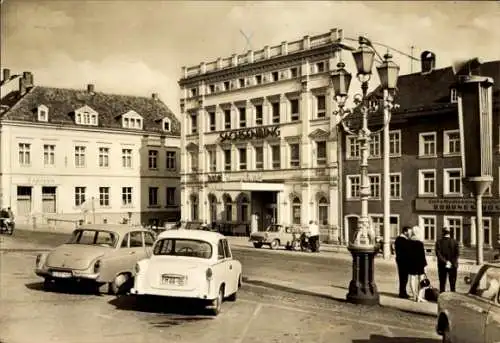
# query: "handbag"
[425,282]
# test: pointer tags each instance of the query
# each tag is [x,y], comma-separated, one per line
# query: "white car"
[192,264]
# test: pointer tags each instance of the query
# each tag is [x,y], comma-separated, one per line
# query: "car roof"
[121,229]
[208,236]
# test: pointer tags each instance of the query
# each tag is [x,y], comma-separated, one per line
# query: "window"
[427,145]
[24,154]
[79,196]
[374,186]
[259,157]
[194,123]
[294,72]
[258,79]
[170,196]
[296,210]
[243,158]
[323,211]
[49,154]
[395,143]
[103,157]
[194,207]
[294,155]
[227,159]
[212,160]
[276,156]
[353,185]
[395,185]
[127,158]
[455,226]
[243,116]
[80,156]
[104,196]
[258,114]
[321,153]
[294,109]
[453,95]
[153,159]
[353,148]
[320,67]
[377,224]
[193,156]
[149,239]
[135,239]
[211,120]
[171,159]
[166,125]
[486,229]
[451,142]
[227,249]
[153,196]
[320,106]
[227,119]
[193,92]
[93,119]
[452,181]
[211,89]
[220,250]
[276,112]
[375,145]
[43,113]
[275,76]
[241,83]
[227,85]
[126,196]
[183,247]
[428,223]
[427,182]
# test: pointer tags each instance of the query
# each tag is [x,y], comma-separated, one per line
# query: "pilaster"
[473,225]
[279,204]
[184,207]
[306,214]
[283,109]
[203,204]
[283,154]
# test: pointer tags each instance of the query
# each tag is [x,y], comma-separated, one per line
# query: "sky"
[139,47]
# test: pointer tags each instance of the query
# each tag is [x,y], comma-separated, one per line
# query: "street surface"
[30,314]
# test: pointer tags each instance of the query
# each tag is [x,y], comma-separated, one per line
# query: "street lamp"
[362,288]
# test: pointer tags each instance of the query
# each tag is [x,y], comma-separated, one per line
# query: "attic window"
[132,120]
[86,116]
[453,95]
[43,113]
[166,125]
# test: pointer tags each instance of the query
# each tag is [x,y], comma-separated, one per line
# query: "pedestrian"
[447,252]
[11,214]
[417,261]
[314,236]
[401,246]
[254,222]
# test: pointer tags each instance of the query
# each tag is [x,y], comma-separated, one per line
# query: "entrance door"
[49,199]
[23,200]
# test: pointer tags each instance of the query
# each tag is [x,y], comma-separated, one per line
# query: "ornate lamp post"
[362,288]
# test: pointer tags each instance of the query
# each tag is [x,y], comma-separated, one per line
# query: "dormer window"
[132,120]
[43,113]
[166,124]
[453,95]
[86,116]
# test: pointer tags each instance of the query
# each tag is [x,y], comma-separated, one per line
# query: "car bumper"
[191,294]
[74,275]
[258,240]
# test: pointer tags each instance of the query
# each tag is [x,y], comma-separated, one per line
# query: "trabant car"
[275,236]
[99,254]
[473,317]
[192,264]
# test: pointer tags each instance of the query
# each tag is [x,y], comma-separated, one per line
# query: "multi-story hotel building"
[258,136]
[79,154]
[426,185]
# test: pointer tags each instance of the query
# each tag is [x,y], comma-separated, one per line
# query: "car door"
[221,267]
[469,317]
[232,270]
[149,240]
[136,248]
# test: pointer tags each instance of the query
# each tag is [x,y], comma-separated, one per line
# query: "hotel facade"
[80,155]
[258,137]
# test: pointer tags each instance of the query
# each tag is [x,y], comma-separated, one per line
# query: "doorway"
[24,195]
[264,203]
[49,199]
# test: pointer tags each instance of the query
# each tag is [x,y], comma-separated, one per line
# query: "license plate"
[172,280]
[61,274]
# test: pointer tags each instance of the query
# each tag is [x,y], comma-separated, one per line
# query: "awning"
[246,186]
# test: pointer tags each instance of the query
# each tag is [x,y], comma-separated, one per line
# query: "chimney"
[6,75]
[90,88]
[154,96]
[428,61]
[22,86]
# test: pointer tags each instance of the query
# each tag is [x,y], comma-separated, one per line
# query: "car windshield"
[183,247]
[94,237]
[273,228]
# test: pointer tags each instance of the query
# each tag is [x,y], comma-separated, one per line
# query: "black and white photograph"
[249,171]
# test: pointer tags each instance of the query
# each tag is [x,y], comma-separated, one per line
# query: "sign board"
[41,180]
[250,133]
[455,205]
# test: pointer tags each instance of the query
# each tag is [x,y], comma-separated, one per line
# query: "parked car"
[98,254]
[473,317]
[275,236]
[192,264]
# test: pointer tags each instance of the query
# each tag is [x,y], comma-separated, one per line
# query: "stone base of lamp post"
[362,288]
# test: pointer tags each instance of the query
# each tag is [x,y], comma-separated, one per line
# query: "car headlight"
[97,266]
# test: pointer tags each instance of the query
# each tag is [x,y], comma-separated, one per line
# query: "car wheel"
[120,285]
[274,244]
[257,245]
[217,302]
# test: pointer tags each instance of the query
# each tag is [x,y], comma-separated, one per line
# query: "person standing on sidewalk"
[402,247]
[314,236]
[447,253]
[254,222]
[417,261]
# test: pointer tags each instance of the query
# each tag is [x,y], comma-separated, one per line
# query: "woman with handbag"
[417,263]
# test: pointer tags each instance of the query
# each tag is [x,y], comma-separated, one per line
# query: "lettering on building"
[214,178]
[41,180]
[456,205]
[250,133]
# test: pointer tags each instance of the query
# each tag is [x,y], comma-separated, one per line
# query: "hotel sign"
[250,133]
[456,205]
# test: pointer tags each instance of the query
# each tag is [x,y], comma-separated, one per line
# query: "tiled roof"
[63,102]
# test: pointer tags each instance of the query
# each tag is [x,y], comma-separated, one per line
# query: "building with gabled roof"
[80,154]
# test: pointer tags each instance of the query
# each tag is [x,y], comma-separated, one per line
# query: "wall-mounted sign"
[249,177]
[41,180]
[250,133]
[456,205]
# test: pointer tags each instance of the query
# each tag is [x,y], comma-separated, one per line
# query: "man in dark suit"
[447,252]
[401,245]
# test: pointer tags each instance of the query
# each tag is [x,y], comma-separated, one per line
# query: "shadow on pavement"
[65,288]
[385,339]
